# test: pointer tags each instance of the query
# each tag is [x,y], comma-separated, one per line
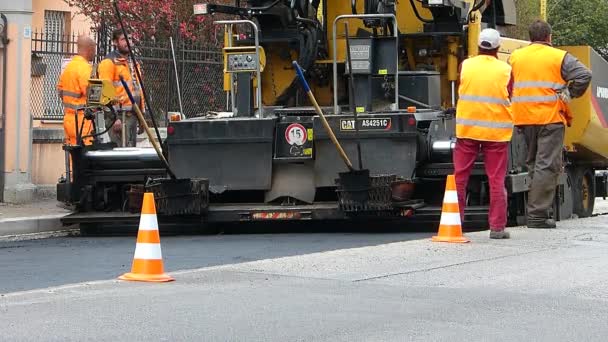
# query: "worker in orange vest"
[545,79]
[484,124]
[72,87]
[118,63]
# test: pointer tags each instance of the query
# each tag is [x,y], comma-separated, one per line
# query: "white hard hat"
[489,39]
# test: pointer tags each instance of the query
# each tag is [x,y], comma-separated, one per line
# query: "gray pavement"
[542,285]
[32,220]
[27,265]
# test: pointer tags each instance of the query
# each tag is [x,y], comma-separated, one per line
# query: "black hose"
[428,21]
[309,21]
[477,6]
[107,128]
[371,6]
[493,14]
[137,73]
[306,58]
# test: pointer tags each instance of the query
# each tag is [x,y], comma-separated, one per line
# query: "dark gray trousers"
[545,147]
[130,123]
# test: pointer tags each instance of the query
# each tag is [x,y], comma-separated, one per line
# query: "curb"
[32,225]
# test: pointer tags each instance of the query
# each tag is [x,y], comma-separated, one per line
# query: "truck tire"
[583,190]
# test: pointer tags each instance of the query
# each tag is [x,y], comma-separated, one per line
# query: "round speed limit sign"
[295,134]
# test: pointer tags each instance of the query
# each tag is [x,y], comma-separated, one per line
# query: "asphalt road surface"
[541,285]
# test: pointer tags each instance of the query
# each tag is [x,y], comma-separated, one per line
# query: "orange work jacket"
[72,87]
[483,110]
[114,66]
[537,79]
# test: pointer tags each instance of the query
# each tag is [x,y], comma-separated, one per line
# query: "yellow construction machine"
[385,75]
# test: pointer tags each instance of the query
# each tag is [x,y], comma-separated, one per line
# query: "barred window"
[56,47]
[55,23]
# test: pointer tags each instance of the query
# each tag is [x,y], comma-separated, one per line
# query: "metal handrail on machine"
[258,93]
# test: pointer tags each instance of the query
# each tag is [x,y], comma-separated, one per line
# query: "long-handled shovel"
[355,182]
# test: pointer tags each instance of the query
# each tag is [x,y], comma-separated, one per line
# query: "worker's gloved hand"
[564,95]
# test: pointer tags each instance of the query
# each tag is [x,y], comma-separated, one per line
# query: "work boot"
[541,223]
[499,234]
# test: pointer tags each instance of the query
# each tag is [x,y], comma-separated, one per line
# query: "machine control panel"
[243,59]
[100,92]
[361,53]
[241,62]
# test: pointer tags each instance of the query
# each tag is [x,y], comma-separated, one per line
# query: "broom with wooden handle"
[330,132]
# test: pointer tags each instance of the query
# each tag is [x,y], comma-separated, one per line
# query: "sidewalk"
[43,216]
[31,218]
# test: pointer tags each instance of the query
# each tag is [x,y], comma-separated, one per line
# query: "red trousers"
[495,155]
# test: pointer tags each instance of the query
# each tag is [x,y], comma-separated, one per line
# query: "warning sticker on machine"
[296,134]
[375,124]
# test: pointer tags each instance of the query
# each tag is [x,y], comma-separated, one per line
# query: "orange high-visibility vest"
[483,111]
[537,78]
[72,88]
[114,66]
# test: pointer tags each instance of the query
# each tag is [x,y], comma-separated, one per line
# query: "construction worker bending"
[118,63]
[545,79]
[484,124]
[72,87]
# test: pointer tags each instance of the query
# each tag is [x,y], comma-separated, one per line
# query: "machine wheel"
[583,191]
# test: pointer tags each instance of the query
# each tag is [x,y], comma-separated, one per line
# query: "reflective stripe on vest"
[119,83]
[132,85]
[72,106]
[538,84]
[547,98]
[484,99]
[70,94]
[482,112]
[127,108]
[537,73]
[483,123]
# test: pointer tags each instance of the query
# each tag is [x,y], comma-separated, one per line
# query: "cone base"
[157,278]
[454,239]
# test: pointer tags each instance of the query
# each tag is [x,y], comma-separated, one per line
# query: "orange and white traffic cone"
[450,227]
[148,259]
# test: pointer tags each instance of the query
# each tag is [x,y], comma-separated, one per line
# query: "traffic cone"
[148,259]
[450,228]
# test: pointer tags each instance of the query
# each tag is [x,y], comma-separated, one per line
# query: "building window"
[55,23]
[56,45]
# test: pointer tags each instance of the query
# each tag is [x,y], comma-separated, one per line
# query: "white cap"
[489,39]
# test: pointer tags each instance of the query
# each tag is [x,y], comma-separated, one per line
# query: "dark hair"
[492,52]
[116,34]
[540,31]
